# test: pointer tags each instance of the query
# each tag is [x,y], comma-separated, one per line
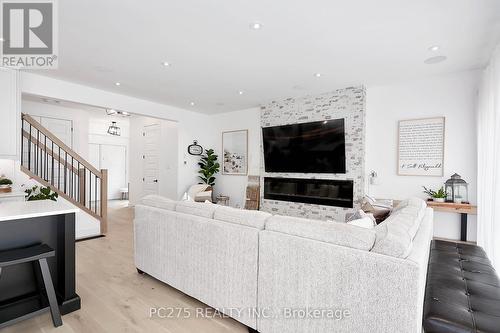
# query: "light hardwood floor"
[115,298]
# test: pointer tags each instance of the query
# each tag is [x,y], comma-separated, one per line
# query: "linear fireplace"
[326,192]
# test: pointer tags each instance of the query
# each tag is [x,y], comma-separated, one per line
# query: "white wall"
[191,125]
[79,118]
[452,96]
[99,137]
[168,163]
[235,186]
[86,225]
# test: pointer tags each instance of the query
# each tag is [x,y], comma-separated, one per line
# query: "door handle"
[156,180]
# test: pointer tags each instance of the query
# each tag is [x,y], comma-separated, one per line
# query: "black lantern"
[113,129]
[456,189]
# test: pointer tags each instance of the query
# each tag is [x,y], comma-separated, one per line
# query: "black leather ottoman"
[462,292]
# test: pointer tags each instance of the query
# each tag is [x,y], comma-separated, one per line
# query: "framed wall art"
[235,152]
[421,147]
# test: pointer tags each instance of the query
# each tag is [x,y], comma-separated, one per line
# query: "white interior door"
[114,159]
[151,159]
[95,155]
[61,128]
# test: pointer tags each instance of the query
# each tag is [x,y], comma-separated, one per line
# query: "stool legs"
[51,295]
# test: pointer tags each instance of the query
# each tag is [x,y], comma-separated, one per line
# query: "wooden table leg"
[463,227]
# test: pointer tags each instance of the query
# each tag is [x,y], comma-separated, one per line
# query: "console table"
[463,209]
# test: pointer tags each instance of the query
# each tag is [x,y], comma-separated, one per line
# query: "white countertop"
[12,194]
[16,210]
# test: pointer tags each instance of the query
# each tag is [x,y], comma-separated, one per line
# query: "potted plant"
[5,185]
[40,193]
[437,196]
[208,167]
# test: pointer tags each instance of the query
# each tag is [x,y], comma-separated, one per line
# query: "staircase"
[52,163]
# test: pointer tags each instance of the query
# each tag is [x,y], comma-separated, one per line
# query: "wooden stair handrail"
[61,144]
[48,150]
[60,193]
[83,165]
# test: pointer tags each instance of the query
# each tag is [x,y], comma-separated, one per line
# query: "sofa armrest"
[372,292]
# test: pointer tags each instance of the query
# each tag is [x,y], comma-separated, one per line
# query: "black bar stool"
[39,254]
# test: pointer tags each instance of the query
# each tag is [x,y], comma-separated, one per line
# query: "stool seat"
[38,255]
[27,254]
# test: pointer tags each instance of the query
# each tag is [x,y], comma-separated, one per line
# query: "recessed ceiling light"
[317,74]
[240,92]
[192,103]
[255,25]
[166,64]
[117,84]
[434,48]
[435,60]
[46,100]
[2,40]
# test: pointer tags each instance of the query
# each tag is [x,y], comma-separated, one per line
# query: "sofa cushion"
[158,201]
[395,235]
[331,232]
[250,218]
[414,210]
[392,240]
[413,202]
[196,208]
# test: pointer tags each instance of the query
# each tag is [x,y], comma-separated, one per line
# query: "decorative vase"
[5,188]
[439,199]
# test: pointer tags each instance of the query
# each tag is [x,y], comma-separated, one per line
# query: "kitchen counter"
[16,210]
[27,223]
[12,194]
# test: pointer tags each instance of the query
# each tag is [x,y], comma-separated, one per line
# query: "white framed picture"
[235,152]
[421,147]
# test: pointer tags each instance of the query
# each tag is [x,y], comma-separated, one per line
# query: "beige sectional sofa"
[284,274]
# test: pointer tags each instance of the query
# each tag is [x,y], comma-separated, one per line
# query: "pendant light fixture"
[113,129]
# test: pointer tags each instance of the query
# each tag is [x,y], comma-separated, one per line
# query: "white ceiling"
[214,54]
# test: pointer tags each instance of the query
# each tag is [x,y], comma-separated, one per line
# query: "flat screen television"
[316,147]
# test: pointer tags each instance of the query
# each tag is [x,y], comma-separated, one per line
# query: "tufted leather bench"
[462,292]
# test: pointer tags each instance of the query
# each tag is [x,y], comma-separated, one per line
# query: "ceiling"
[64,104]
[214,54]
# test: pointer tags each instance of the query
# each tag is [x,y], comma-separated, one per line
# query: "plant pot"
[439,199]
[5,188]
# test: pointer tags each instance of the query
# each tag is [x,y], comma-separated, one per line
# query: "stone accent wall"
[348,103]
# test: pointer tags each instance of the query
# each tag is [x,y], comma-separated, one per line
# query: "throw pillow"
[359,214]
[364,222]
[379,212]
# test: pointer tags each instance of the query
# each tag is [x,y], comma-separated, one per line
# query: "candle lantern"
[456,189]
